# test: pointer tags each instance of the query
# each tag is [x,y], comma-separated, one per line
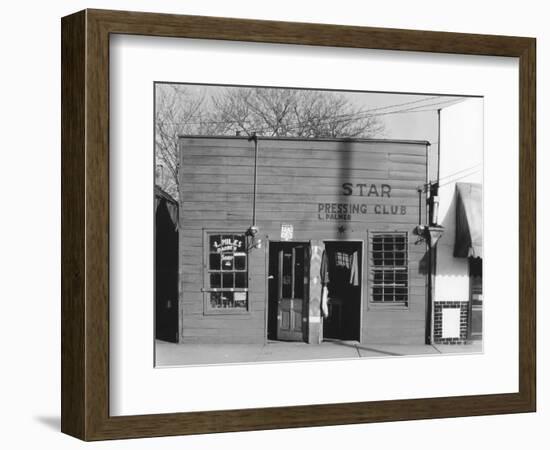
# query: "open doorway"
[345,259]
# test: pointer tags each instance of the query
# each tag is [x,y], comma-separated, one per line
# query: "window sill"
[388,307]
[226,312]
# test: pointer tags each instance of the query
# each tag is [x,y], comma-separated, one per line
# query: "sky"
[406,116]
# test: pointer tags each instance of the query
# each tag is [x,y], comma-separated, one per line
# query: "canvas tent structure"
[469,225]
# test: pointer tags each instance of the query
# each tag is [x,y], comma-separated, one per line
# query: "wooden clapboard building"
[265,223]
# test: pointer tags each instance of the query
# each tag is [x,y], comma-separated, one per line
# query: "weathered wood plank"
[298,189]
[315,179]
[418,157]
[335,164]
[344,173]
[331,146]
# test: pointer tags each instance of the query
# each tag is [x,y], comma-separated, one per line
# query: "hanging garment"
[342,259]
[324,281]
[354,273]
[324,301]
[324,269]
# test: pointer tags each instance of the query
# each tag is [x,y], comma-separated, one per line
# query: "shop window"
[389,269]
[226,278]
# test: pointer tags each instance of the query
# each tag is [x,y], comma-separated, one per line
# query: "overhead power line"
[334,119]
[459,171]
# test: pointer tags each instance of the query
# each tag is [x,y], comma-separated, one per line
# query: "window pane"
[287,274]
[240,261]
[240,300]
[401,277]
[215,299]
[214,242]
[239,242]
[215,280]
[228,280]
[226,243]
[227,261]
[240,280]
[378,277]
[400,243]
[214,261]
[299,273]
[226,300]
[399,258]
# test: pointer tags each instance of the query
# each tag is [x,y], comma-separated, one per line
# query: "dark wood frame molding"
[85,224]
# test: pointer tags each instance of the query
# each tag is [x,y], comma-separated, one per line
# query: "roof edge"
[291,138]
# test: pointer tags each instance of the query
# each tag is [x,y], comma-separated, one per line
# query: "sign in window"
[227,277]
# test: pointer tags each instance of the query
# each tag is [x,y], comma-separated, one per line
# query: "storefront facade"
[265,225]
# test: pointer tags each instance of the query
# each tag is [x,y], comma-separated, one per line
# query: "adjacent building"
[458,287]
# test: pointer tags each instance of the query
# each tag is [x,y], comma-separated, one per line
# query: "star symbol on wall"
[341,229]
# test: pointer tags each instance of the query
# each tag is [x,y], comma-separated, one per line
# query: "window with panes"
[227,273]
[389,269]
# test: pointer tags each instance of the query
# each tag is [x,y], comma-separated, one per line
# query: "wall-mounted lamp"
[429,233]
[255,239]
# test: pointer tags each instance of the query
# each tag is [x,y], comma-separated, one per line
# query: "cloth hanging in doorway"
[324,282]
[342,259]
[324,269]
[354,273]
[324,301]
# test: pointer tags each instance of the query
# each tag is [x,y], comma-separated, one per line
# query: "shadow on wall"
[344,153]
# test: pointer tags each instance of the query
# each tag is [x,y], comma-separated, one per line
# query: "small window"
[226,280]
[389,271]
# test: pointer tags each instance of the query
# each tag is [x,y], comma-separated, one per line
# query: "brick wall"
[438,322]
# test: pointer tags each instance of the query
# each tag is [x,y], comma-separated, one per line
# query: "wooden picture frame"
[85,224]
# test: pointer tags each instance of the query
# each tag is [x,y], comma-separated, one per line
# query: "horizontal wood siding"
[298,181]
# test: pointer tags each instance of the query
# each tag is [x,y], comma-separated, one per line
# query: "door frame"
[267,265]
[363,278]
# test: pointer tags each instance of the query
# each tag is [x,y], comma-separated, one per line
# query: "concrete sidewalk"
[168,354]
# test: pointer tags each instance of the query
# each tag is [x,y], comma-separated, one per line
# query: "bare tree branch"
[266,111]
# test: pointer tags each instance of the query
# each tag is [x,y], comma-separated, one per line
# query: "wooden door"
[476,299]
[291,291]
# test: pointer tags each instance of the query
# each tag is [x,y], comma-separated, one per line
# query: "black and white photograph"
[301,224]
